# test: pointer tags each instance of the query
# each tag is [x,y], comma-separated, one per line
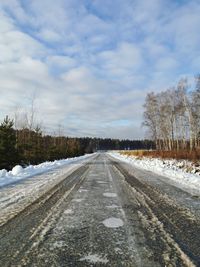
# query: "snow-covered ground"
[182,172]
[19,173]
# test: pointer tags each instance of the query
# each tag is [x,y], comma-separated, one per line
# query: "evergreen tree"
[8,152]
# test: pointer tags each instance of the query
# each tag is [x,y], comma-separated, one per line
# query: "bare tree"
[151,116]
[173,116]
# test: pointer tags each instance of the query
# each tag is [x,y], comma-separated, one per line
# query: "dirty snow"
[19,173]
[113,222]
[170,168]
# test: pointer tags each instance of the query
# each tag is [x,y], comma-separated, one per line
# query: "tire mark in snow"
[21,230]
[178,230]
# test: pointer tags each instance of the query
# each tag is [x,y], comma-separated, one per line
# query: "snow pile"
[182,172]
[18,173]
[17,170]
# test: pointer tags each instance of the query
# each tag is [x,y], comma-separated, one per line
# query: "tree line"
[172,117]
[30,146]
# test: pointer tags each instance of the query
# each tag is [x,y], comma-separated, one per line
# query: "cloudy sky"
[89,63]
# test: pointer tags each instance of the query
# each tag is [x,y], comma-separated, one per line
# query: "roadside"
[15,196]
[179,173]
[19,173]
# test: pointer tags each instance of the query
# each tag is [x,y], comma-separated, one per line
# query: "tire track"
[168,226]
[19,233]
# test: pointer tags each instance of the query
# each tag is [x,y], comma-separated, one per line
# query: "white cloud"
[184,27]
[49,35]
[120,62]
[61,63]
[16,44]
[167,64]
[92,63]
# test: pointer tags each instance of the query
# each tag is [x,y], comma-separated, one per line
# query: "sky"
[87,65]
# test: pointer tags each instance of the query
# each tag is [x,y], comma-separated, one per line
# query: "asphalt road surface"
[105,213]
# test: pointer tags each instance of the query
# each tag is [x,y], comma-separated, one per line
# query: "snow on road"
[20,187]
[94,259]
[109,218]
[167,168]
[109,194]
[113,222]
[93,228]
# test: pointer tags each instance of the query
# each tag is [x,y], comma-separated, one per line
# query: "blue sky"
[89,64]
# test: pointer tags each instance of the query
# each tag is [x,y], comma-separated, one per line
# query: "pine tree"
[8,152]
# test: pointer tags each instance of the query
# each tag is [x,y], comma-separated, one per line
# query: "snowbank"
[179,171]
[18,173]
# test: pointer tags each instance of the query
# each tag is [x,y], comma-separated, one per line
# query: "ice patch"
[118,250]
[113,222]
[82,190]
[109,194]
[68,211]
[94,258]
[77,200]
[113,206]
[58,244]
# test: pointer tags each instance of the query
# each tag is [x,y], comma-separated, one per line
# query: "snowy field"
[182,172]
[18,173]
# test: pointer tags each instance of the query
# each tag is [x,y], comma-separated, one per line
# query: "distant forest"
[30,146]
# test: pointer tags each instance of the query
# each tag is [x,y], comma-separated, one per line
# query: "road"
[105,213]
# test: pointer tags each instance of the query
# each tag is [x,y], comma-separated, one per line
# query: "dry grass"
[181,154]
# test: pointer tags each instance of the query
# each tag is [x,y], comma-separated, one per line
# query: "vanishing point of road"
[105,213]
